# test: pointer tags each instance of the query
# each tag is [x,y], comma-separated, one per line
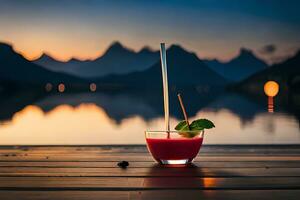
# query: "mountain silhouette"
[184,69]
[16,69]
[116,60]
[45,60]
[240,67]
[287,74]
[71,66]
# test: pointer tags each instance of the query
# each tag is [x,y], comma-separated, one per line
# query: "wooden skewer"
[183,110]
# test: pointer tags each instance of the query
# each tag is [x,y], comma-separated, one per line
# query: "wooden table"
[91,172]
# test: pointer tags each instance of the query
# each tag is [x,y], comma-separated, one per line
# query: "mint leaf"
[182,126]
[195,127]
[201,124]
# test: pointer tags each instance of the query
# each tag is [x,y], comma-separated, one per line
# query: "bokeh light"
[271,88]
[48,87]
[93,87]
[61,87]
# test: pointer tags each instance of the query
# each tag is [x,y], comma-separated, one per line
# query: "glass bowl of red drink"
[174,147]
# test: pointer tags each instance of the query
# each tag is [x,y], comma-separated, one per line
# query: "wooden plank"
[154,194]
[88,183]
[95,155]
[145,157]
[151,164]
[231,149]
[56,151]
[84,172]
[206,149]
[66,195]
[149,172]
[142,151]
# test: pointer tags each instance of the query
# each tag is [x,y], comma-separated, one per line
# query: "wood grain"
[149,183]
[151,164]
[154,194]
[156,171]
[91,172]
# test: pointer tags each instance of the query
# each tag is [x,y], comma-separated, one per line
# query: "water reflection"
[209,182]
[175,176]
[121,117]
[90,124]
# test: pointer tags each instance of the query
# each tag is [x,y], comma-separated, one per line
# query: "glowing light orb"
[271,88]
[93,87]
[61,87]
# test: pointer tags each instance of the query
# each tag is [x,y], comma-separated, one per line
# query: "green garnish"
[196,125]
[191,130]
[194,128]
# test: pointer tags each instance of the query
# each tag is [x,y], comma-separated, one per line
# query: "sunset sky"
[211,28]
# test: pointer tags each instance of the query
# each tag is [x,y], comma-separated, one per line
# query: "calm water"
[122,117]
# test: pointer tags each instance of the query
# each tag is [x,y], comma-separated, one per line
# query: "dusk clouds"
[268,49]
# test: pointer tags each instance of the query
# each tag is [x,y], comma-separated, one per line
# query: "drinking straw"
[183,110]
[164,70]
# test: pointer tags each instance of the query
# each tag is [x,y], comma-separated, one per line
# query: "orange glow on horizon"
[31,56]
[62,50]
[34,48]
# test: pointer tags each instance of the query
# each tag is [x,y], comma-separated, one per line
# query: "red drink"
[175,149]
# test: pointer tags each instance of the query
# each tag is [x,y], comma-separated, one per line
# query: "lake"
[121,117]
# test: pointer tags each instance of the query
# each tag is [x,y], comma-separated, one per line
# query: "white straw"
[163,58]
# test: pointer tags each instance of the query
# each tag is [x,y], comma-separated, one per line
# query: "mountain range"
[52,64]
[184,69]
[116,60]
[120,60]
[238,68]
[126,67]
[14,68]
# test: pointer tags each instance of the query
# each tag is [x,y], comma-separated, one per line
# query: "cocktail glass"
[174,147]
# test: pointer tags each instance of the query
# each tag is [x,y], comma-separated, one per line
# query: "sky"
[211,28]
